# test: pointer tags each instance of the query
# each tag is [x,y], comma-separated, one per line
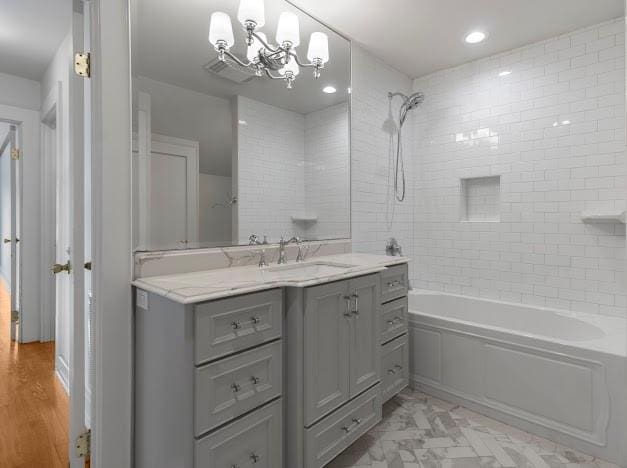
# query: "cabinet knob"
[236,325]
[255,320]
[254,457]
[235,387]
[255,380]
[391,371]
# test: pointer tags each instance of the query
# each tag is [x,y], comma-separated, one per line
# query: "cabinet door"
[326,359]
[365,352]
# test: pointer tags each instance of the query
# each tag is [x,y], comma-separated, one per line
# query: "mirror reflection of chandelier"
[279,62]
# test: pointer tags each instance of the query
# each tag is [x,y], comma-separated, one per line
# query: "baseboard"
[62,372]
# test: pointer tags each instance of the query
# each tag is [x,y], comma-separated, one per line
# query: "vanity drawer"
[255,441]
[393,319]
[329,437]
[394,367]
[394,283]
[235,385]
[228,325]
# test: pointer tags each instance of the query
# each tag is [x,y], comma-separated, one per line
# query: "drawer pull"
[356,422]
[255,380]
[355,311]
[237,324]
[393,284]
[254,457]
[398,366]
[235,387]
[391,371]
[395,320]
[349,312]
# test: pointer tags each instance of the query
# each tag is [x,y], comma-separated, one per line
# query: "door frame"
[30,217]
[110,97]
[50,105]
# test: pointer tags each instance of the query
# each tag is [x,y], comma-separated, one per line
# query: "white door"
[16,189]
[10,239]
[172,201]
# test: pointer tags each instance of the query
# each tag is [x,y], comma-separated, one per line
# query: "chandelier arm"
[300,64]
[270,75]
[236,59]
[266,45]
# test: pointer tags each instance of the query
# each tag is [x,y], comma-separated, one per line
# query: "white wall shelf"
[603,217]
[304,218]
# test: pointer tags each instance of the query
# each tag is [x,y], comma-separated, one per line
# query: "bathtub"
[558,374]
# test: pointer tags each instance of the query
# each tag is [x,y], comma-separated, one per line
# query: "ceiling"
[30,34]
[419,37]
[172,46]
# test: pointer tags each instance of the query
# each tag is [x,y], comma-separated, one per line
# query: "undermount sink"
[306,269]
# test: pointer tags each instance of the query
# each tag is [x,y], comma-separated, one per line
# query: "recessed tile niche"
[481,199]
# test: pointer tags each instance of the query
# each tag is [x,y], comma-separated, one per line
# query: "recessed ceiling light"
[475,37]
[505,73]
[329,89]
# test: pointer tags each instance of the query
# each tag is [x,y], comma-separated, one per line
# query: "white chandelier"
[278,63]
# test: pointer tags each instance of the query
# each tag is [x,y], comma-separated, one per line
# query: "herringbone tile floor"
[419,431]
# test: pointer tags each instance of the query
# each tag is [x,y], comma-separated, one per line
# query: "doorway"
[10,221]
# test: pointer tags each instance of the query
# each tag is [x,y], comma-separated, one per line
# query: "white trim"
[144,185]
[48,212]
[62,371]
[112,260]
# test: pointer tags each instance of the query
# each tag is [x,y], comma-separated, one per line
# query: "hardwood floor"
[33,404]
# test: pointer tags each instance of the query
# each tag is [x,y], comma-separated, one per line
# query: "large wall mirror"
[230,141]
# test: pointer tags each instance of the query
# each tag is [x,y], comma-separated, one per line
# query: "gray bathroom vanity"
[267,368]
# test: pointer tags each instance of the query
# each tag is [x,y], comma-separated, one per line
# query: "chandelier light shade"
[221,30]
[251,11]
[318,48]
[288,30]
[280,62]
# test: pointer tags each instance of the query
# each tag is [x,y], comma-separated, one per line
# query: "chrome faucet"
[282,253]
[254,240]
[393,248]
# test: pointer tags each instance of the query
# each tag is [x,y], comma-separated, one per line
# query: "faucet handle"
[262,258]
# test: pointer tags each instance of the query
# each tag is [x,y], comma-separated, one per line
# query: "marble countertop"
[189,288]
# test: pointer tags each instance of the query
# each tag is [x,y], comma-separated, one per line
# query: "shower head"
[414,100]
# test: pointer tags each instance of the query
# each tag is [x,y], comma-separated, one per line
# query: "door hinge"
[82,65]
[16,154]
[83,444]
[15,316]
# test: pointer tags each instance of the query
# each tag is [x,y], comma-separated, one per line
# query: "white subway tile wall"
[327,172]
[271,175]
[292,165]
[554,131]
[375,214]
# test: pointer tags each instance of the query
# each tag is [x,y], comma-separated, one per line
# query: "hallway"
[33,404]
